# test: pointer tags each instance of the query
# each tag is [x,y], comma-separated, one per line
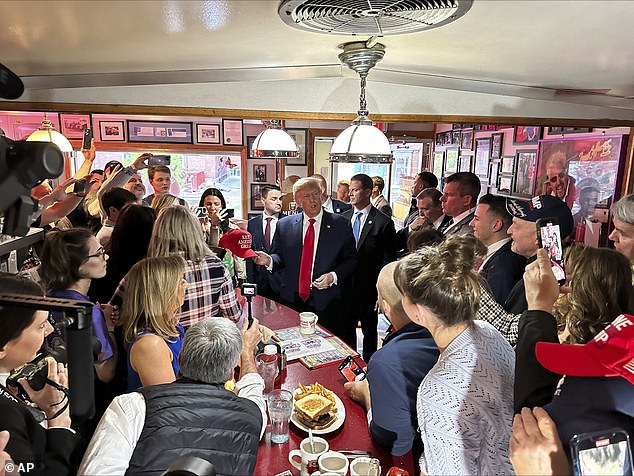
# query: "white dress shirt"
[457,219]
[363,217]
[328,205]
[274,220]
[317,227]
[120,427]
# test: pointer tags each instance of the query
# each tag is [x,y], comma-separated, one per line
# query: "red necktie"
[267,232]
[306,263]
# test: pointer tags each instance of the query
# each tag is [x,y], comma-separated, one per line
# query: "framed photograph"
[504,185]
[496,145]
[555,131]
[256,195]
[568,130]
[439,159]
[438,139]
[464,163]
[250,141]
[482,155]
[300,136]
[208,133]
[112,131]
[525,166]
[73,125]
[466,139]
[451,161]
[455,138]
[507,165]
[232,132]
[526,135]
[494,167]
[158,131]
[259,172]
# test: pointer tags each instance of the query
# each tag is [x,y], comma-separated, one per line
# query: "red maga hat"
[238,242]
[609,354]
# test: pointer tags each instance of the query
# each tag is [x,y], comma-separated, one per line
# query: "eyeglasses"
[561,174]
[100,253]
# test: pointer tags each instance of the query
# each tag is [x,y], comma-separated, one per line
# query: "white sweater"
[465,406]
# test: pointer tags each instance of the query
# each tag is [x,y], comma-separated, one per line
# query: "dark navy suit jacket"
[335,252]
[259,274]
[502,271]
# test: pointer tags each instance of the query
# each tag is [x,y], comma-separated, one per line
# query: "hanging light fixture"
[361,142]
[274,143]
[47,133]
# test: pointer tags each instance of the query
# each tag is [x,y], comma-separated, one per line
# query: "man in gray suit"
[459,199]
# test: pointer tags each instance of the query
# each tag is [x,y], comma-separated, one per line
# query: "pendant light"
[47,133]
[274,143]
[361,142]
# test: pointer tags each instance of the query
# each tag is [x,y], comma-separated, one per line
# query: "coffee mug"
[307,322]
[333,462]
[365,466]
[308,464]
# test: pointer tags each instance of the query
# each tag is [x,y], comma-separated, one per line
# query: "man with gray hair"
[623,233]
[147,430]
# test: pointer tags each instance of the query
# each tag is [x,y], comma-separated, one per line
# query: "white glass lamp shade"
[47,134]
[361,143]
[274,144]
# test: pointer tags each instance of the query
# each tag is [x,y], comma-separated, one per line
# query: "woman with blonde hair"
[155,292]
[464,403]
[210,292]
[163,200]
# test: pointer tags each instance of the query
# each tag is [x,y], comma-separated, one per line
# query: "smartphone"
[607,452]
[87,139]
[79,186]
[201,212]
[230,213]
[351,370]
[159,160]
[549,238]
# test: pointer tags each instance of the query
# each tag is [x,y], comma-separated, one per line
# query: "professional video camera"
[22,166]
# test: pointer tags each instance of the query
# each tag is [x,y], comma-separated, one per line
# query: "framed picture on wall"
[439,158]
[451,161]
[73,125]
[496,145]
[256,196]
[112,131]
[482,155]
[466,139]
[232,132]
[525,167]
[505,184]
[507,165]
[250,141]
[464,163]
[208,133]
[493,173]
[455,138]
[300,136]
[159,131]
[526,135]
[259,172]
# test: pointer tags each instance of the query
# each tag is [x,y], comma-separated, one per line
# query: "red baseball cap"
[609,354]
[238,242]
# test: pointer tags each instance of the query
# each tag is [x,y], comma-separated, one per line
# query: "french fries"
[317,388]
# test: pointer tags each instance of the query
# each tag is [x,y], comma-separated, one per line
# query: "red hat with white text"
[238,242]
[609,354]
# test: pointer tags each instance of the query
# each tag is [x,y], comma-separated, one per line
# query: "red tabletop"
[353,435]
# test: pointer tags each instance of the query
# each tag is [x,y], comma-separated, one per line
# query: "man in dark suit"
[422,181]
[374,235]
[430,215]
[262,229]
[501,267]
[315,253]
[459,198]
[331,205]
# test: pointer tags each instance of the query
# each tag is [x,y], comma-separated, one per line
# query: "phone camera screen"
[551,242]
[610,459]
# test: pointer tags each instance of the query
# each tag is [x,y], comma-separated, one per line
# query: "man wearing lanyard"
[314,254]
[459,198]
[262,229]
[375,240]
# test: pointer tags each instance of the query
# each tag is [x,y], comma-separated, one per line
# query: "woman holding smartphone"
[216,224]
[41,436]
[155,291]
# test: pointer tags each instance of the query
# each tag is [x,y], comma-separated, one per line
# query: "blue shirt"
[394,373]
[174,344]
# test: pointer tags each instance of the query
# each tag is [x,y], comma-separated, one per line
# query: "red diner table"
[353,435]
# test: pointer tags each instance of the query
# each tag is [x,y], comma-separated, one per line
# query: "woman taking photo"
[155,290]
[41,437]
[217,224]
[71,259]
[464,403]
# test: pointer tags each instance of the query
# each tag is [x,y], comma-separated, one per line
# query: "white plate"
[340,417]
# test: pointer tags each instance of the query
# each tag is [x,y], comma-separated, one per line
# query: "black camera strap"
[10,396]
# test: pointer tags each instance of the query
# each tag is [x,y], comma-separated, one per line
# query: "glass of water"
[280,403]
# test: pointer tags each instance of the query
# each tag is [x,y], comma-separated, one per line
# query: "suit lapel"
[367,226]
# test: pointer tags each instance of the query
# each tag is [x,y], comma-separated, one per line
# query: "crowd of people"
[490,365]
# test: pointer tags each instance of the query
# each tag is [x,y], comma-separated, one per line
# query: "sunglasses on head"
[553,178]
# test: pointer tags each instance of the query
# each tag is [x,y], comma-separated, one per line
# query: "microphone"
[11,86]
